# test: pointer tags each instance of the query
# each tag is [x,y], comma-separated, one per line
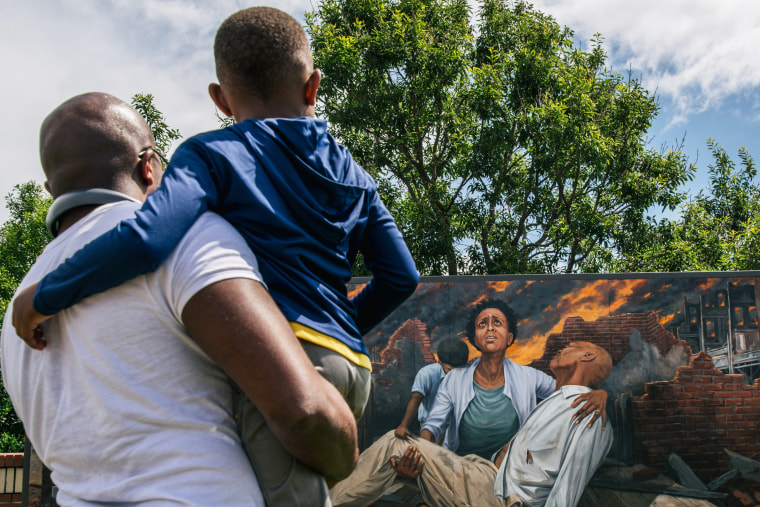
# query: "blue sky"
[698,56]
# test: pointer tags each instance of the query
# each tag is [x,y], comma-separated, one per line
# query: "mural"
[683,396]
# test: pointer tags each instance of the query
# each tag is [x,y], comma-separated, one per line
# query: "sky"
[697,56]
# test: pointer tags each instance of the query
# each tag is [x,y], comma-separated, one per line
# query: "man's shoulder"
[211,231]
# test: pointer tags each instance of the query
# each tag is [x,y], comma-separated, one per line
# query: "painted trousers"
[446,480]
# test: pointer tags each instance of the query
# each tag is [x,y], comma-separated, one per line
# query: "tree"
[718,230]
[162,133]
[22,238]
[499,150]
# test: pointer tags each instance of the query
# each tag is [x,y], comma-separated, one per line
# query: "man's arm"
[239,326]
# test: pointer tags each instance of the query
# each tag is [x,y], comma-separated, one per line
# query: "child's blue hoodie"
[300,201]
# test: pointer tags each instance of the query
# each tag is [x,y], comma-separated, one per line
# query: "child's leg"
[351,380]
[284,481]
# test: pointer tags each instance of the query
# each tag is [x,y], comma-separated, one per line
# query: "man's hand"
[595,404]
[402,432]
[27,320]
[410,465]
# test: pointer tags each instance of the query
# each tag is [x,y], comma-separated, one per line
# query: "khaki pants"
[447,480]
[284,481]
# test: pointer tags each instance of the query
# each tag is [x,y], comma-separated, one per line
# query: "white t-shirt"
[122,405]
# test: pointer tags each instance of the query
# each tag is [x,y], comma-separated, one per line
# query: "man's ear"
[588,357]
[149,174]
[220,99]
[47,187]
[311,86]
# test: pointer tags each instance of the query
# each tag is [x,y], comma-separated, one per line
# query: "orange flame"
[666,319]
[499,286]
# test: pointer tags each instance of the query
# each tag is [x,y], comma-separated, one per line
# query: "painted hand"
[410,465]
[402,432]
[594,403]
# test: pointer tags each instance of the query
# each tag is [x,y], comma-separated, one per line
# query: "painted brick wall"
[11,479]
[414,330]
[612,333]
[698,414]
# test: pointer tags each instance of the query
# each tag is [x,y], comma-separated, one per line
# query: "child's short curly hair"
[261,50]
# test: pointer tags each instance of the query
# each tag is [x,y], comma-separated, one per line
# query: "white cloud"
[56,49]
[695,53]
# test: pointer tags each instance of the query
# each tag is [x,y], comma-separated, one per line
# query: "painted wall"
[652,325]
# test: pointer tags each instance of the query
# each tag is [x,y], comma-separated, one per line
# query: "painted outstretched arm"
[402,431]
[134,247]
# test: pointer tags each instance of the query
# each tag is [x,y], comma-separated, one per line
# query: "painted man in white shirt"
[551,459]
[548,462]
[128,401]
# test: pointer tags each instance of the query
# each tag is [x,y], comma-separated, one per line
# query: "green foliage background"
[498,144]
[22,238]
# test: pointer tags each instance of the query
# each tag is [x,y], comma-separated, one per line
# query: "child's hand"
[402,432]
[595,404]
[27,320]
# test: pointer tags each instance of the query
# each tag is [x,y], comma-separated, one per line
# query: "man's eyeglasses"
[161,157]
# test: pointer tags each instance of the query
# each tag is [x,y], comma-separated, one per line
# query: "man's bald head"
[92,141]
[581,363]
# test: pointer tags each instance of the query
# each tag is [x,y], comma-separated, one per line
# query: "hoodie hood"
[325,187]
